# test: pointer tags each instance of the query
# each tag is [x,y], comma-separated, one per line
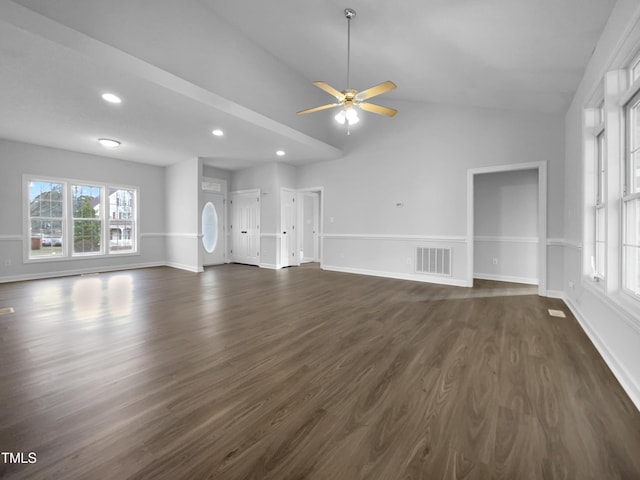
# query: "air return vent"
[433,260]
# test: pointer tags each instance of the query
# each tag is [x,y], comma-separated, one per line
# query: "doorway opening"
[300,227]
[309,227]
[310,208]
[507,224]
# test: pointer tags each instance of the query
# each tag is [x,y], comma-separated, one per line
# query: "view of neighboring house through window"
[631,201]
[121,220]
[46,218]
[75,219]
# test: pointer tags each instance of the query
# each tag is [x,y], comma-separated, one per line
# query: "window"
[46,218]
[611,173]
[634,71]
[631,201]
[631,268]
[79,219]
[87,220]
[599,208]
[121,220]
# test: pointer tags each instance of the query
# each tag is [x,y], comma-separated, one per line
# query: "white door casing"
[309,225]
[541,167]
[318,192]
[288,234]
[245,227]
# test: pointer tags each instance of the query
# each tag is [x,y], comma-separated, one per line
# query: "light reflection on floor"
[90,295]
[120,296]
[86,299]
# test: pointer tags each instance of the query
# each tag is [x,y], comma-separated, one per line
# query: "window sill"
[595,283]
[625,306]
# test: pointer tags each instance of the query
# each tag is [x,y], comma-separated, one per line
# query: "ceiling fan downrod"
[349,13]
[351,100]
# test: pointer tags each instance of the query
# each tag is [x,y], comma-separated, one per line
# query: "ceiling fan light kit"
[351,100]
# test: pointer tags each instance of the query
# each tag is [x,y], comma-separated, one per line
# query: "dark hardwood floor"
[243,373]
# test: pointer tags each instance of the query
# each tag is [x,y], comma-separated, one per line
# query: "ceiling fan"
[350,100]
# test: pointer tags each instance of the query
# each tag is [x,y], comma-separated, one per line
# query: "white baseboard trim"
[188,268]
[555,294]
[79,271]
[270,266]
[505,278]
[621,374]
[399,276]
[620,305]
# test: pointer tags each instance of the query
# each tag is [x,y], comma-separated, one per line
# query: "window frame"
[68,220]
[27,219]
[73,219]
[630,99]
[594,190]
[599,207]
[135,236]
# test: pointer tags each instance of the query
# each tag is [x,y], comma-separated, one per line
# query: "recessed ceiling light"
[218,133]
[280,153]
[109,143]
[111,98]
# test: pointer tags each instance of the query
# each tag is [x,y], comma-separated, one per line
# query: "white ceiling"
[524,54]
[184,67]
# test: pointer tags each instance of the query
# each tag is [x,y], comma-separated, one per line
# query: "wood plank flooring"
[243,373]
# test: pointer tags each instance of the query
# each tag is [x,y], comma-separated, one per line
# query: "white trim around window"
[112,231]
[630,238]
[611,156]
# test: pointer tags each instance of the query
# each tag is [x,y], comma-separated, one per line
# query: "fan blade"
[330,90]
[370,107]
[317,109]
[376,90]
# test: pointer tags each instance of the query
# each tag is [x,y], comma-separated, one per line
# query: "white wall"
[219,173]
[168,211]
[613,330]
[506,226]
[420,159]
[182,210]
[17,159]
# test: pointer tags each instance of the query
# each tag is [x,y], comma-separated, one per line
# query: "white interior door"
[213,235]
[288,217]
[309,226]
[245,227]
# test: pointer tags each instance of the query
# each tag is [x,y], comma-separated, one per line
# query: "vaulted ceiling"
[185,67]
